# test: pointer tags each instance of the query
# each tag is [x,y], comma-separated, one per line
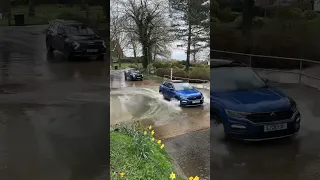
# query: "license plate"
[268,128]
[92,50]
[196,101]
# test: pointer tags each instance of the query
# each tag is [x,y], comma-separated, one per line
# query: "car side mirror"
[171,89]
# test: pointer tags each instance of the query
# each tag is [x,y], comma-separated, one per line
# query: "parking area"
[286,159]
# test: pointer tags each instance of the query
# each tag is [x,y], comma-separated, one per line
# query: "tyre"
[218,121]
[49,48]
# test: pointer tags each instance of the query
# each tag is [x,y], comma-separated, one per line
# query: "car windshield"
[79,30]
[182,86]
[234,79]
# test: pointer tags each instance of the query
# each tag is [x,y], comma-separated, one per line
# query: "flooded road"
[53,113]
[183,130]
[287,159]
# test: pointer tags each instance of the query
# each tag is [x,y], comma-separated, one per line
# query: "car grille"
[270,116]
[194,97]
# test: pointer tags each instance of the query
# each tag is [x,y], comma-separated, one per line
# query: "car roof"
[217,63]
[175,81]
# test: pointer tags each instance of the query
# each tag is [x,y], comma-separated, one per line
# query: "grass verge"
[137,155]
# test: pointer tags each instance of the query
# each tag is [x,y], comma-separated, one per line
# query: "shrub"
[258,21]
[226,15]
[160,64]
[238,22]
[214,20]
[195,73]
[235,15]
[309,14]
[296,13]
[72,16]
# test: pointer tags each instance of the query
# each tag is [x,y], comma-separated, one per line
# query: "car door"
[171,91]
[165,89]
[54,42]
[60,40]
[51,33]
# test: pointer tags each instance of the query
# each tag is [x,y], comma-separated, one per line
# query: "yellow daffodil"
[145,132]
[150,127]
[159,142]
[196,178]
[152,132]
[162,146]
[122,174]
[190,178]
[172,176]
[152,139]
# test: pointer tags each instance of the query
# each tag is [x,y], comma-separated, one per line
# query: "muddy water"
[140,100]
[184,131]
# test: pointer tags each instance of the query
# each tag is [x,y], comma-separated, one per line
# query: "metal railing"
[202,82]
[256,57]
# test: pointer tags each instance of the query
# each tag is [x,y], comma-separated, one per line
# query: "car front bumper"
[249,131]
[197,102]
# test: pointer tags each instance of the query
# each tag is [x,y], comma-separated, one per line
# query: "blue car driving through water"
[247,107]
[181,91]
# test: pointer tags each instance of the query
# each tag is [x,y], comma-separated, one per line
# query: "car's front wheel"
[49,47]
[176,100]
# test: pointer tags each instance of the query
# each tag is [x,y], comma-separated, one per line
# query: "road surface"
[53,113]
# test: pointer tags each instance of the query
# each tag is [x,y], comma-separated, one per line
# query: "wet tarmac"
[53,113]
[184,131]
[288,159]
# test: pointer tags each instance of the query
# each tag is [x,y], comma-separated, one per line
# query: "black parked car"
[133,74]
[74,39]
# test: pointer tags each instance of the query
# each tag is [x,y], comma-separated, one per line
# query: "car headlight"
[238,115]
[133,75]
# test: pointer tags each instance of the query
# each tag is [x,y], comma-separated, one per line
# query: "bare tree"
[148,23]
[117,31]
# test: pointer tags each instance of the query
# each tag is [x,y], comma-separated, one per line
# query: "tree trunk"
[32,11]
[247,17]
[154,54]
[188,47]
[145,56]
[83,4]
